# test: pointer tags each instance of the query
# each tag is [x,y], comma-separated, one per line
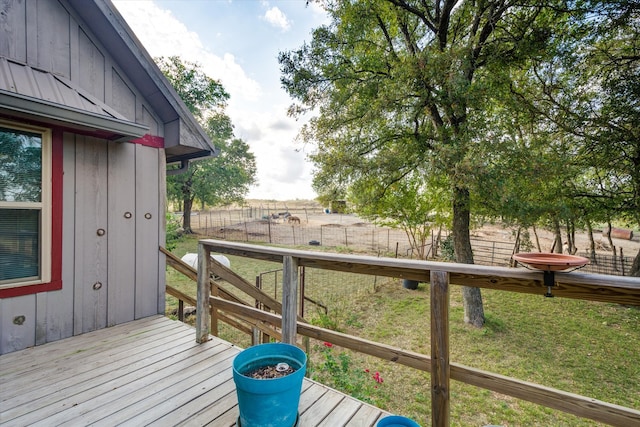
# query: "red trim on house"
[56,226]
[150,141]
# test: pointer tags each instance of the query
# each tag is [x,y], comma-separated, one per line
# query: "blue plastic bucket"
[397,421]
[269,402]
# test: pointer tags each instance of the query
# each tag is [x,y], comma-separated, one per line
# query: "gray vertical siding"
[147,225]
[13,42]
[162,225]
[92,77]
[122,233]
[18,317]
[90,305]
[52,44]
[102,181]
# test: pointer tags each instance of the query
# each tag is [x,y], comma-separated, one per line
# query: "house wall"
[113,193]
[48,35]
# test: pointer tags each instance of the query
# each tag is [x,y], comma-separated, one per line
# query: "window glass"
[24,207]
[20,166]
[19,244]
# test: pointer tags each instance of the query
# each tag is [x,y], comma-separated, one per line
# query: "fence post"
[440,369]
[302,280]
[289,299]
[202,309]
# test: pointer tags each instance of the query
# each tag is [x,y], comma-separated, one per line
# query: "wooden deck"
[147,372]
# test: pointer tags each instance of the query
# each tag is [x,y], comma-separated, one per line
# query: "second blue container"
[397,421]
[269,402]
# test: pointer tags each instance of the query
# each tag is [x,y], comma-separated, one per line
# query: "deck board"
[93,386]
[97,365]
[147,372]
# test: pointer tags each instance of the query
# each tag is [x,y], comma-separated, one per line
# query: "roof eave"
[70,117]
[125,47]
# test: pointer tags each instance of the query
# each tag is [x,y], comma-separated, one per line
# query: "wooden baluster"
[203,293]
[440,369]
[289,299]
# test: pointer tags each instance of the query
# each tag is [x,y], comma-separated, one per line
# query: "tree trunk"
[516,249]
[436,245]
[571,238]
[635,267]
[613,247]
[557,243]
[471,297]
[535,233]
[186,215]
[592,244]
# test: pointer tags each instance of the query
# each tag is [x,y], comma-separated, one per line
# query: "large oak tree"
[399,86]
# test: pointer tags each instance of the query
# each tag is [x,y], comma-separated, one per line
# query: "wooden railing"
[622,290]
[258,331]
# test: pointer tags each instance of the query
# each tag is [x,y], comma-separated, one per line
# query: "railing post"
[440,369]
[202,306]
[289,299]
[181,310]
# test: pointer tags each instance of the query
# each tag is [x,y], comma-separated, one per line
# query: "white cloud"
[164,35]
[277,18]
[259,115]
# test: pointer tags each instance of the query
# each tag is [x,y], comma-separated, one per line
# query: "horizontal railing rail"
[188,271]
[613,289]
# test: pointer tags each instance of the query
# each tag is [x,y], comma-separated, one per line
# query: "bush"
[174,232]
[446,248]
[337,370]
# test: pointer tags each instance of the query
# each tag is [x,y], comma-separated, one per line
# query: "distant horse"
[293,219]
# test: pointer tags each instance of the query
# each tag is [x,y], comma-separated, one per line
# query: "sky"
[237,42]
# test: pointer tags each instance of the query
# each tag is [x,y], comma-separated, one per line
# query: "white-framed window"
[25,205]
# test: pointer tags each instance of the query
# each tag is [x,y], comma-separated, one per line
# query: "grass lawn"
[581,347]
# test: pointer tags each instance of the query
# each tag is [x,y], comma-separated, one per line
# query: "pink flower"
[328,344]
[378,378]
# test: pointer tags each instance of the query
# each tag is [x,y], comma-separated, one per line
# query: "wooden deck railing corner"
[441,276]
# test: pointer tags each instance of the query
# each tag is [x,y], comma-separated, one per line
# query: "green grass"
[577,346]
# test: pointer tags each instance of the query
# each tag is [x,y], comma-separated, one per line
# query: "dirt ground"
[311,214]
[493,232]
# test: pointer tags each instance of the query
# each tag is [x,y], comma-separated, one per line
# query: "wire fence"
[314,227]
[363,237]
[323,291]
[607,264]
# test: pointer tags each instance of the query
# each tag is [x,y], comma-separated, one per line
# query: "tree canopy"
[223,179]
[402,85]
[491,96]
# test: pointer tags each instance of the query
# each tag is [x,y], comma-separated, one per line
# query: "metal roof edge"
[68,115]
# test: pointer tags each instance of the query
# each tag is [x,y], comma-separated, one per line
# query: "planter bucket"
[397,421]
[410,284]
[269,402]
